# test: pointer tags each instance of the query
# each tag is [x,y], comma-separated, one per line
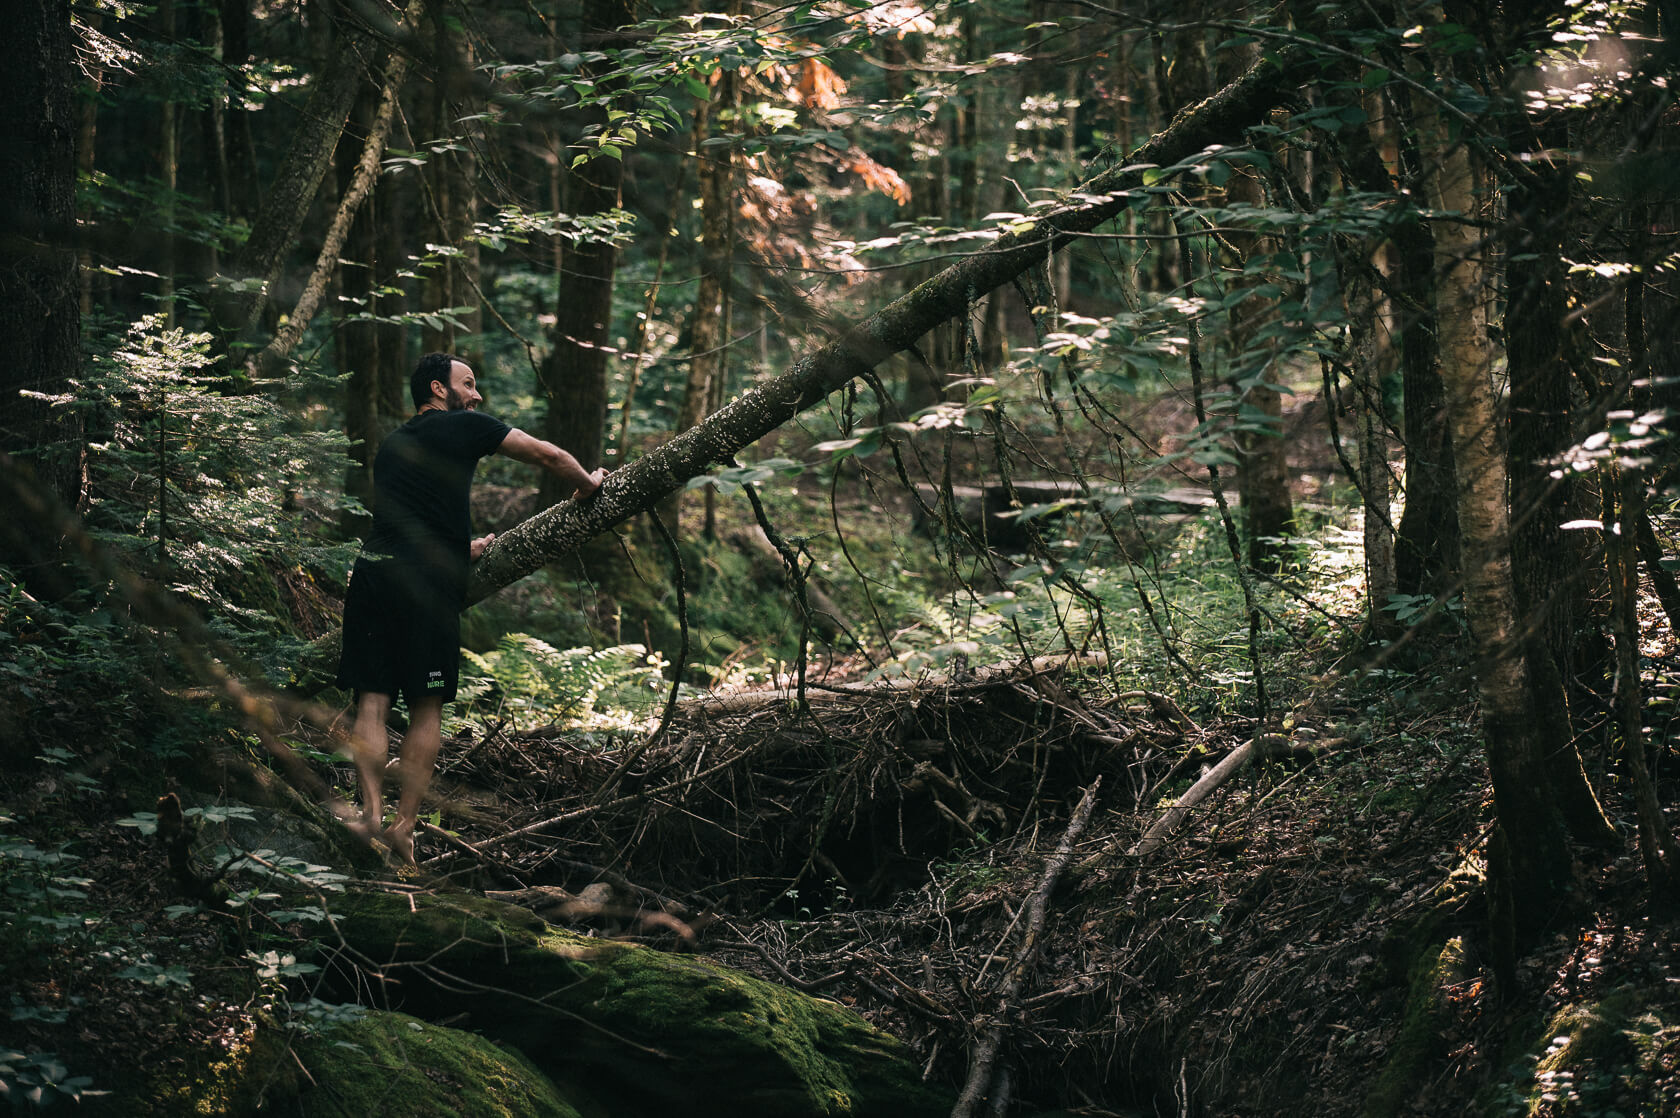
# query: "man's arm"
[527,448]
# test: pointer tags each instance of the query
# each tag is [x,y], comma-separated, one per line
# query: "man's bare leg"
[419,753]
[369,746]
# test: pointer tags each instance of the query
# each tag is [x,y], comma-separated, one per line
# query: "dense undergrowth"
[1312,942]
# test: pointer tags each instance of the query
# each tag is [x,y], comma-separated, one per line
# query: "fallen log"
[641,485]
[1266,747]
[1170,819]
[783,691]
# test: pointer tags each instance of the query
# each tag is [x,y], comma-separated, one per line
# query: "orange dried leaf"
[819,86]
[877,177]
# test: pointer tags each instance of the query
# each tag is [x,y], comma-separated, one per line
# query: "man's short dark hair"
[433,366]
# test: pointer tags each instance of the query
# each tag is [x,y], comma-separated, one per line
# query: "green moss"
[1462,893]
[380,1064]
[1419,1043]
[657,1028]
[1614,1055]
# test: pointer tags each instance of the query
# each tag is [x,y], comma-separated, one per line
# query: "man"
[402,610]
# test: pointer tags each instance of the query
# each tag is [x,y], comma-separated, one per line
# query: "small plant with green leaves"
[201,487]
[40,899]
[40,1080]
[524,674]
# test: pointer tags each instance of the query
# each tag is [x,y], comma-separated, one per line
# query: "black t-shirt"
[422,480]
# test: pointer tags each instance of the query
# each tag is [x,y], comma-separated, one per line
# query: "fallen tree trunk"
[783,691]
[639,486]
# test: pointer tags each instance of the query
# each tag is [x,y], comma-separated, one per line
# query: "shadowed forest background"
[1137,573]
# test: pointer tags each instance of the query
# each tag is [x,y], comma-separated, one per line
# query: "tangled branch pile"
[888,846]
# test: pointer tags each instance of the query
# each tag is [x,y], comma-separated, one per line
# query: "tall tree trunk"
[450,181]
[717,238]
[169,169]
[715,393]
[1530,867]
[1372,357]
[357,345]
[1062,267]
[1548,560]
[1261,450]
[1426,545]
[1366,362]
[216,118]
[644,322]
[1624,506]
[1376,489]
[373,352]
[243,189]
[933,365]
[574,374]
[356,191]
[256,266]
[87,131]
[39,296]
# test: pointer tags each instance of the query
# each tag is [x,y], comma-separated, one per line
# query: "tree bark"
[1530,870]
[1548,559]
[273,356]
[574,374]
[1374,480]
[256,266]
[1625,507]
[639,339]
[243,189]
[169,170]
[717,237]
[1262,452]
[1547,562]
[39,296]
[449,181]
[1426,545]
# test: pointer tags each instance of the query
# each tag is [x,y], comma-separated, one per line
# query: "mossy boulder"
[635,1024]
[1618,1054]
[1421,1041]
[379,1064]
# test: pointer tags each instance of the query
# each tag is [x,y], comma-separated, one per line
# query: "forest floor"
[1311,941]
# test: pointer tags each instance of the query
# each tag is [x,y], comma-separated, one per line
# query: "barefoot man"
[402,612]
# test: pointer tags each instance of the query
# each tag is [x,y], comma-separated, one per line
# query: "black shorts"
[402,633]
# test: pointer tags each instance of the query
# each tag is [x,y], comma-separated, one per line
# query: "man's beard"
[456,401]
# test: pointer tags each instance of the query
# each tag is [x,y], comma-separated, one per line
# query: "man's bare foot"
[360,827]
[401,841]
